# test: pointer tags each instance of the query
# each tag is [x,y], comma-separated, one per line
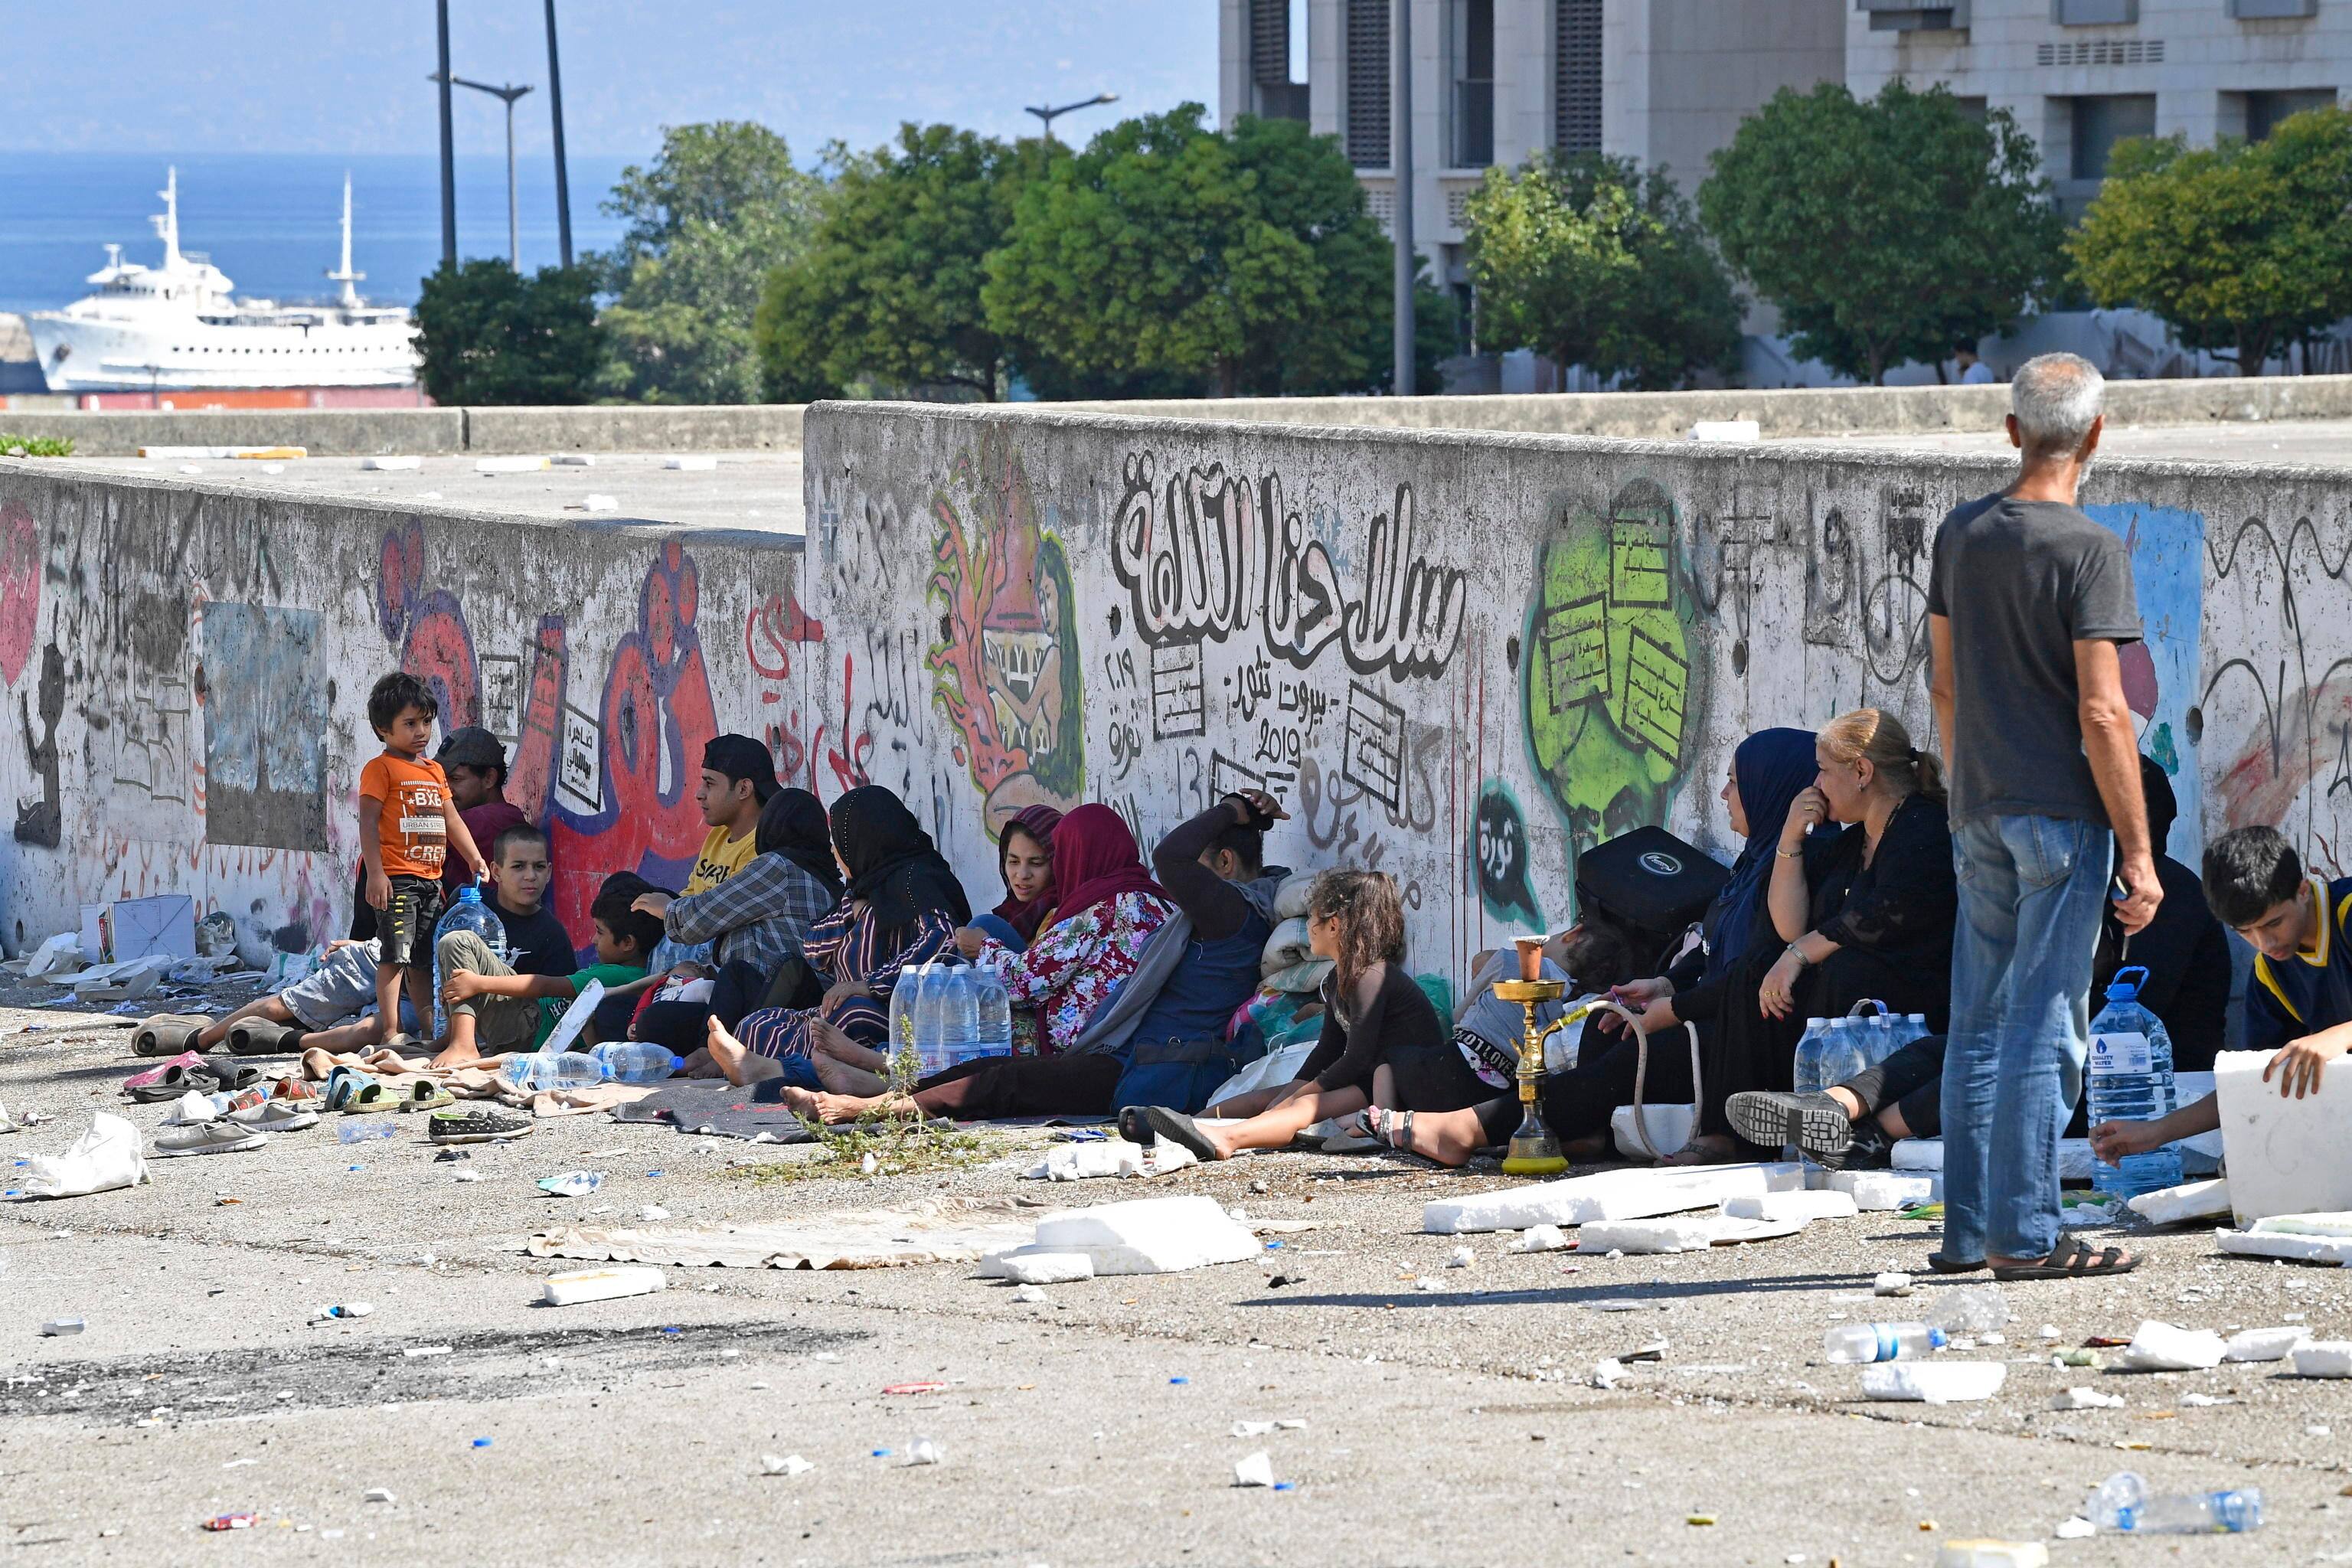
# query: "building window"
[1470,59]
[1367,46]
[2095,12]
[2272,10]
[1911,17]
[1275,93]
[1576,75]
[2266,110]
[2100,122]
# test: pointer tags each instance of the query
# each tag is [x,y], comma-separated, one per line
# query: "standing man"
[1973,371]
[2027,601]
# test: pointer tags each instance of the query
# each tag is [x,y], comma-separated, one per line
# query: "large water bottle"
[2124,1504]
[2129,1077]
[543,1070]
[1848,1345]
[1808,1065]
[903,997]
[996,1015]
[468,913]
[1845,1050]
[635,1061]
[928,1014]
[959,1014]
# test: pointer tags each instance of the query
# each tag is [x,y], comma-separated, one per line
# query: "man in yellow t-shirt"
[738,777]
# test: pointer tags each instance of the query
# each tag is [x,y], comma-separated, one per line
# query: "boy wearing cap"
[738,777]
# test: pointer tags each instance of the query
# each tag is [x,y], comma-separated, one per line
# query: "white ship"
[175,327]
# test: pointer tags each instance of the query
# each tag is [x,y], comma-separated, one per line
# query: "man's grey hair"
[2055,398]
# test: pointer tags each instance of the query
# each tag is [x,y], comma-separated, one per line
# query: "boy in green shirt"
[493,1010]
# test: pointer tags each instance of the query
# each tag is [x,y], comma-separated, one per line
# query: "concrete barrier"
[1638,415]
[188,668]
[1459,657]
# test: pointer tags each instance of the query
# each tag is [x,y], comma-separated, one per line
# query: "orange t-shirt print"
[413,832]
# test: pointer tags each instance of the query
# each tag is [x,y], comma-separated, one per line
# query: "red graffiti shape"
[20,588]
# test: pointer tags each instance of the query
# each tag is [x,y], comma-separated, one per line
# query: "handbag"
[1632,1127]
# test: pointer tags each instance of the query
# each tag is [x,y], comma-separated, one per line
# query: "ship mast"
[167,222]
[344,275]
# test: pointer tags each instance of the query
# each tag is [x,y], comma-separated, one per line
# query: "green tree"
[488,335]
[1885,230]
[1245,259]
[1591,261]
[2242,248]
[888,289]
[720,208]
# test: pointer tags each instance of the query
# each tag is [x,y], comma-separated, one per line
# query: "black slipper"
[1939,1264]
[2071,1260]
[1181,1130]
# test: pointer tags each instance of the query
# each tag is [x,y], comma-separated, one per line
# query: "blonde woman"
[1861,893]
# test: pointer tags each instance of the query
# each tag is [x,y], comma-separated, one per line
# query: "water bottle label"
[1888,1346]
[2121,1053]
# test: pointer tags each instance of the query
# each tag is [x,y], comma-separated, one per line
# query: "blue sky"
[330,76]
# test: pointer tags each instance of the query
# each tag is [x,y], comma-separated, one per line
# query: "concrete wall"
[1655,416]
[1462,658]
[187,671]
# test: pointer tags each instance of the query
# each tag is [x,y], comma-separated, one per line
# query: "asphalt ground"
[1449,1416]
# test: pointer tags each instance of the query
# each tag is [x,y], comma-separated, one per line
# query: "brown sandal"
[2070,1260]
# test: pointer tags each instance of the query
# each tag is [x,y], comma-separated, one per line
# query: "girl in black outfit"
[1865,913]
[1374,1016]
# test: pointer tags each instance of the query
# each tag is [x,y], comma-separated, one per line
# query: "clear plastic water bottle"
[1851,1344]
[2122,1504]
[1846,1049]
[995,1014]
[468,914]
[1808,1065]
[929,1017]
[363,1129]
[2129,1079]
[543,1070]
[903,998]
[635,1061]
[959,1014]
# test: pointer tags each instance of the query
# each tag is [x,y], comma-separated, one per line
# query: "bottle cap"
[2122,990]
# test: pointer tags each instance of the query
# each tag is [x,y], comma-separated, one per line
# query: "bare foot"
[1448,1137]
[840,1077]
[801,1102]
[741,1065]
[1704,1149]
[699,1065]
[832,1108]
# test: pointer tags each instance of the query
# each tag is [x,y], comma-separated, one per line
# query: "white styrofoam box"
[1150,1236]
[1881,1192]
[2286,1156]
[1608,1195]
[2075,1160]
[2165,1347]
[1024,1268]
[2278,1244]
[388,465]
[2265,1344]
[1799,1206]
[2191,1200]
[1934,1382]
[1643,1236]
[2324,1358]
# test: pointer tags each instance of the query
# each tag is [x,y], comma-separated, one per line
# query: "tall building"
[1662,81]
[2081,75]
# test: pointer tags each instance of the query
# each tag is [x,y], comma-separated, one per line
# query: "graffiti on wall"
[1498,852]
[1006,671]
[428,627]
[40,820]
[2161,671]
[265,727]
[1611,690]
[20,588]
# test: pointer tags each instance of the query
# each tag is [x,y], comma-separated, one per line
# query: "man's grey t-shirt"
[2021,583]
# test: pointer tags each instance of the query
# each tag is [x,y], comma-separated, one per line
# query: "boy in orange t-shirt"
[406,831]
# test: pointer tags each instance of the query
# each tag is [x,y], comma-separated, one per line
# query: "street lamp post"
[449,154]
[555,111]
[1047,116]
[508,94]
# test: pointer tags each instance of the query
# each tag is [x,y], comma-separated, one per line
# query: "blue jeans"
[2030,892]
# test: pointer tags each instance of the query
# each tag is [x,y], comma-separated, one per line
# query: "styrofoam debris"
[1726,430]
[600,1285]
[2323,1358]
[1539,1239]
[2085,1399]
[597,501]
[2157,1346]
[1992,1555]
[1255,1470]
[1030,1296]
[1882,1192]
[1891,1284]
[1934,1382]
[693,462]
[2202,1400]
[1113,1157]
[1608,1196]
[2191,1200]
[2264,1344]
[1149,1236]
[59,954]
[925,1451]
[1462,1257]
[390,465]
[1802,1207]
[1608,1372]
[1048,1267]
[1646,1236]
[785,1465]
[512,465]
[2074,1527]
[105,1157]
[2294,1247]
[1927,1154]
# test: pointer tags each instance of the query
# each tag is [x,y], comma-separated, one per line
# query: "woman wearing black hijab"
[901,905]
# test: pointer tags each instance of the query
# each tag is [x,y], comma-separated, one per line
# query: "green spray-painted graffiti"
[1611,694]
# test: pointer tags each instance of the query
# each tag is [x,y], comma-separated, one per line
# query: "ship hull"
[101,356]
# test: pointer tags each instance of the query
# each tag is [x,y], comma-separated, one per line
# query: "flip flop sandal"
[342,1084]
[168,1033]
[225,1074]
[168,1082]
[301,1091]
[1178,1129]
[427,1095]
[2071,1260]
[263,1040]
[370,1097]
[477,1124]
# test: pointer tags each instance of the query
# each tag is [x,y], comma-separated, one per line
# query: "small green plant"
[34,446]
[895,1145]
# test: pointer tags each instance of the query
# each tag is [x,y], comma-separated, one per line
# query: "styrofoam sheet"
[2331,1249]
[1928,1154]
[2191,1200]
[2286,1156]
[1150,1236]
[1608,1194]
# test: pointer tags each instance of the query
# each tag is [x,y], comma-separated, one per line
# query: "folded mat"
[718,1109]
